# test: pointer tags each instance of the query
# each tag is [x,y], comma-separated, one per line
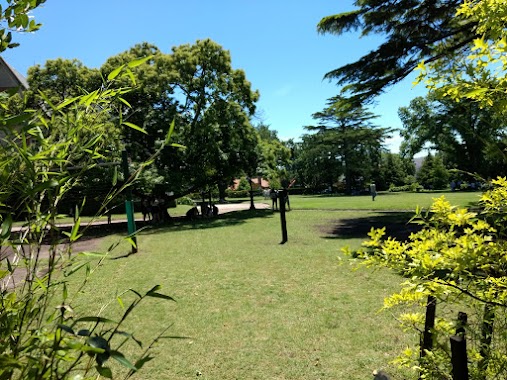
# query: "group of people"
[154,209]
[207,211]
[275,195]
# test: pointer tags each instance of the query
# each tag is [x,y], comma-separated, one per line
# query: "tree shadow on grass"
[396,223]
[223,220]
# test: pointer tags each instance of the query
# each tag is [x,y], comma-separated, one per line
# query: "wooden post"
[429,324]
[282,194]
[486,338]
[459,357]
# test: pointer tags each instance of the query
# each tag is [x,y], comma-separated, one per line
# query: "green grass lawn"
[255,309]
[384,201]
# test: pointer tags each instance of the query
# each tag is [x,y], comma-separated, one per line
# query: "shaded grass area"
[176,212]
[252,308]
[397,225]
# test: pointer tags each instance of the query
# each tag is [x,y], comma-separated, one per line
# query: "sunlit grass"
[383,201]
[252,308]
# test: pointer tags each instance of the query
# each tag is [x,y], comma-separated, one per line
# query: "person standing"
[373,191]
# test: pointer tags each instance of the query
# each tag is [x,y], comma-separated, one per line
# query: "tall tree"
[214,103]
[464,132]
[152,105]
[433,174]
[274,156]
[196,86]
[415,30]
[356,142]
[394,170]
[60,79]
[316,164]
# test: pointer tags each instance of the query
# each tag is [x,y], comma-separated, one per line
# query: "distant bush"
[185,201]
[237,193]
[411,187]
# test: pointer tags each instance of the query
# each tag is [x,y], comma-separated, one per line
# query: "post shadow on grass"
[396,223]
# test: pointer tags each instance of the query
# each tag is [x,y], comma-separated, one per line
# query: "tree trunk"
[222,186]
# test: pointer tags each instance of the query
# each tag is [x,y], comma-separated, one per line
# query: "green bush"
[187,201]
[411,187]
[38,340]
[237,193]
[456,260]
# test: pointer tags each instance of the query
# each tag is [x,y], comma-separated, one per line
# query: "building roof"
[257,182]
[10,78]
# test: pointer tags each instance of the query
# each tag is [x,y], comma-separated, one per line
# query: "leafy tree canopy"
[195,85]
[349,137]
[469,136]
[414,30]
[481,75]
[15,17]
[274,156]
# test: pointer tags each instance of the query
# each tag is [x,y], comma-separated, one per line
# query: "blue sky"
[275,42]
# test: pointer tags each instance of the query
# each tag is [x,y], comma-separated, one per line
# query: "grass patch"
[252,308]
[384,201]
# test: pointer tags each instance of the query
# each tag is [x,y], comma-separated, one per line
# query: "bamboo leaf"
[120,301]
[67,329]
[4,273]
[141,362]
[135,127]
[154,289]
[45,185]
[120,358]
[104,371]
[9,265]
[136,293]
[138,62]
[129,335]
[113,74]
[65,291]
[6,228]
[88,99]
[75,229]
[160,295]
[169,132]
[115,176]
[15,121]
[75,268]
[124,102]
[94,319]
[46,99]
[84,332]
[66,102]
[97,255]
[131,76]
